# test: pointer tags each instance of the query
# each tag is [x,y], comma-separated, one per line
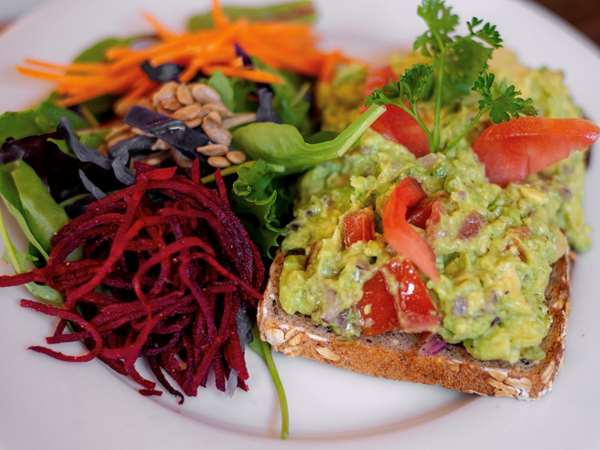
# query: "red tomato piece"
[513,150]
[377,307]
[411,309]
[420,213]
[358,226]
[416,310]
[398,232]
[395,124]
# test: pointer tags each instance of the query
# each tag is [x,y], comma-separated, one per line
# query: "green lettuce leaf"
[263,199]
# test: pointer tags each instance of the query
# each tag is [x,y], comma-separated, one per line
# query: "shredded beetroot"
[165,266]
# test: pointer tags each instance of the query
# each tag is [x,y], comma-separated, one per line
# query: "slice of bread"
[399,356]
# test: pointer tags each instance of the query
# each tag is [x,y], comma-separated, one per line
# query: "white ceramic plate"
[45,404]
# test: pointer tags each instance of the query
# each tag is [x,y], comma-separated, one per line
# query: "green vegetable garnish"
[262,199]
[283,146]
[37,215]
[299,11]
[263,350]
[458,66]
[40,119]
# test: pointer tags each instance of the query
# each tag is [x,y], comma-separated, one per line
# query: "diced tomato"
[398,232]
[358,226]
[377,307]
[411,310]
[395,124]
[416,310]
[513,150]
[419,214]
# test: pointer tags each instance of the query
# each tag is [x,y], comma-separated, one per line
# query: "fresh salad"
[161,175]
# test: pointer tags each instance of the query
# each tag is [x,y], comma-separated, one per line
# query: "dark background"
[583,14]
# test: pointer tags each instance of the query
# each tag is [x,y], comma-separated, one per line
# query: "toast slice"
[398,356]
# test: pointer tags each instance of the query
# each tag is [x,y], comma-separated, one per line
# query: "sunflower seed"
[184,95]
[219,108]
[218,162]
[239,119]
[166,96]
[180,159]
[194,122]
[236,157]
[215,131]
[160,145]
[212,150]
[189,112]
[204,94]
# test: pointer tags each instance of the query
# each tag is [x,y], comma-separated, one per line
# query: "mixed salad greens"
[160,175]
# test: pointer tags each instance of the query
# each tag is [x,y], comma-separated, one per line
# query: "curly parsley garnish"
[458,66]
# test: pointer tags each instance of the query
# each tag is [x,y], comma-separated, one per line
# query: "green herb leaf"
[263,349]
[503,103]
[299,11]
[465,60]
[487,32]
[38,120]
[441,21]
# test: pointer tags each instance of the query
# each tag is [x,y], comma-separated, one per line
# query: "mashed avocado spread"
[491,292]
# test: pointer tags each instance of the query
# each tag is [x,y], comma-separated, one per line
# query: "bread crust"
[398,356]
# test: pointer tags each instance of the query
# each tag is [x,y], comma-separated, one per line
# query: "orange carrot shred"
[218,16]
[161,30]
[281,45]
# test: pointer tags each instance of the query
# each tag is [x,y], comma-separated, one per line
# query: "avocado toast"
[487,314]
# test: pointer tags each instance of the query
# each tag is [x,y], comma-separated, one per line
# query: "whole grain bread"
[399,356]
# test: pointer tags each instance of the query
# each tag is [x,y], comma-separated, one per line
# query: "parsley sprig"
[458,66]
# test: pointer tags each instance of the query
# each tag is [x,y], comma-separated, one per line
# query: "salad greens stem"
[225,172]
[263,349]
[88,116]
[435,144]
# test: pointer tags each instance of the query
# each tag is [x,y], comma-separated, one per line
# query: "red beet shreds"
[164,268]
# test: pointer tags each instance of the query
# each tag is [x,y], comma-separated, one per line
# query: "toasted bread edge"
[398,356]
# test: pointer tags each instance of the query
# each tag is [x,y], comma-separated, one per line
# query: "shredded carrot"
[282,45]
[218,16]
[161,30]
[259,76]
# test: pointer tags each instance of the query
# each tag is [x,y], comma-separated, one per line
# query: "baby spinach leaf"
[223,86]
[12,201]
[283,146]
[97,51]
[44,216]
[21,262]
[41,119]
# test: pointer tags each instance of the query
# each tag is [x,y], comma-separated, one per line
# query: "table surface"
[583,14]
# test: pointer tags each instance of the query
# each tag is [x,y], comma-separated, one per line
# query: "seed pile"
[199,107]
